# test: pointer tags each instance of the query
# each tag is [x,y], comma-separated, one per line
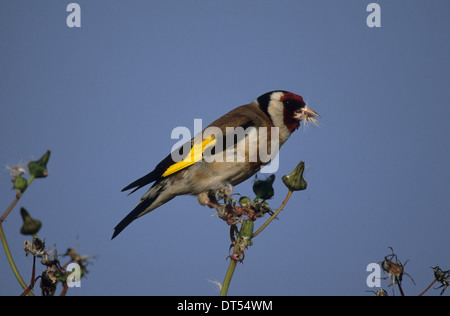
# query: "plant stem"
[18,196]
[5,243]
[401,290]
[228,275]
[273,216]
[30,180]
[233,263]
[33,280]
[11,261]
[10,207]
[429,286]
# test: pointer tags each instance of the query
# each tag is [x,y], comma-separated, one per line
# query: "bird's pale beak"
[307,114]
[310,112]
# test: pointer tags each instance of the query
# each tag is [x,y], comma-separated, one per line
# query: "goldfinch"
[212,163]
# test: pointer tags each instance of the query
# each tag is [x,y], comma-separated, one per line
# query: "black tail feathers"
[132,216]
[141,182]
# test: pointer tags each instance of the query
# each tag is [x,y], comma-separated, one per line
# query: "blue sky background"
[105,97]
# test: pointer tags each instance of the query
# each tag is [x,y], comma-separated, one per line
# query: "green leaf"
[263,189]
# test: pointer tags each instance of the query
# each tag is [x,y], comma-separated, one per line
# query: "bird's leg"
[228,211]
[205,198]
[224,193]
[209,199]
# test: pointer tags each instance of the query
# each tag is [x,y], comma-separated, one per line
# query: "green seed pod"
[21,184]
[38,168]
[30,225]
[295,181]
[246,233]
[244,201]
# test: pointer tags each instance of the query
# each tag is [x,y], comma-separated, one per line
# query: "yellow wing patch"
[195,155]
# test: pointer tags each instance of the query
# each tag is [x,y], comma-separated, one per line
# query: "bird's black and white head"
[286,110]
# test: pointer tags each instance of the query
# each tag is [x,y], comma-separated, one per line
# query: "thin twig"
[273,216]
[11,261]
[400,288]
[65,288]
[33,272]
[33,280]
[18,196]
[28,290]
[429,286]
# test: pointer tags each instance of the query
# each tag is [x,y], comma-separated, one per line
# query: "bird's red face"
[295,110]
[286,109]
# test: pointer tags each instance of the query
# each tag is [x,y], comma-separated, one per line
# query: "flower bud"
[244,201]
[38,168]
[295,181]
[20,184]
[30,225]
[48,282]
[246,233]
